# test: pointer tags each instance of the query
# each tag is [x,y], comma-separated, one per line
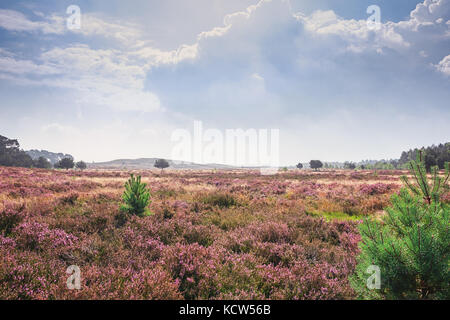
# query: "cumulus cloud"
[245,32]
[102,77]
[356,33]
[318,61]
[429,13]
[444,66]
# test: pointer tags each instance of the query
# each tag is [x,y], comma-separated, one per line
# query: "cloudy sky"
[138,70]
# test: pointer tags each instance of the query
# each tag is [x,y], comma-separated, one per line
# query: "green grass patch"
[336,216]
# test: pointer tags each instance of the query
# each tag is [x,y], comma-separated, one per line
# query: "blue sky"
[138,70]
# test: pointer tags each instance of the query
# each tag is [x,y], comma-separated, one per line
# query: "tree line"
[12,156]
[433,156]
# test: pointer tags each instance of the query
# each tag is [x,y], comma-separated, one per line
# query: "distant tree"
[11,155]
[161,164]
[42,163]
[300,166]
[66,163]
[22,159]
[349,165]
[81,165]
[315,164]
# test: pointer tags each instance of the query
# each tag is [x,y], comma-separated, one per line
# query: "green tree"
[11,155]
[42,163]
[81,165]
[410,244]
[136,197]
[434,155]
[161,164]
[300,166]
[66,163]
[315,164]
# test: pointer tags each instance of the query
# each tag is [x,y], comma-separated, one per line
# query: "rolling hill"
[148,163]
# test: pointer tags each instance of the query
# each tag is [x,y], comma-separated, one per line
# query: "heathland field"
[212,234]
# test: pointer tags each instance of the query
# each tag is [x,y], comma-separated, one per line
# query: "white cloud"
[21,67]
[149,57]
[244,29]
[429,13]
[356,33]
[256,76]
[101,77]
[91,25]
[444,65]
[16,21]
[104,77]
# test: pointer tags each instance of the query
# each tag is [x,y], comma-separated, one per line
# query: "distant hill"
[50,156]
[148,163]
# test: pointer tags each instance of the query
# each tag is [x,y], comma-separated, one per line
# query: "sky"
[136,71]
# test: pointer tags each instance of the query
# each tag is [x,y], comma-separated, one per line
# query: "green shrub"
[222,200]
[136,197]
[411,244]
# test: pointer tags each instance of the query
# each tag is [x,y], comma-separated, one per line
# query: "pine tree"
[136,197]
[410,245]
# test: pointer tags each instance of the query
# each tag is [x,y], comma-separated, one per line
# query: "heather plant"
[123,284]
[410,245]
[37,236]
[194,269]
[136,197]
[261,246]
[10,217]
[26,275]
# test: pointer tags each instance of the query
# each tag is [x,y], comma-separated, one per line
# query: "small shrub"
[221,200]
[136,197]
